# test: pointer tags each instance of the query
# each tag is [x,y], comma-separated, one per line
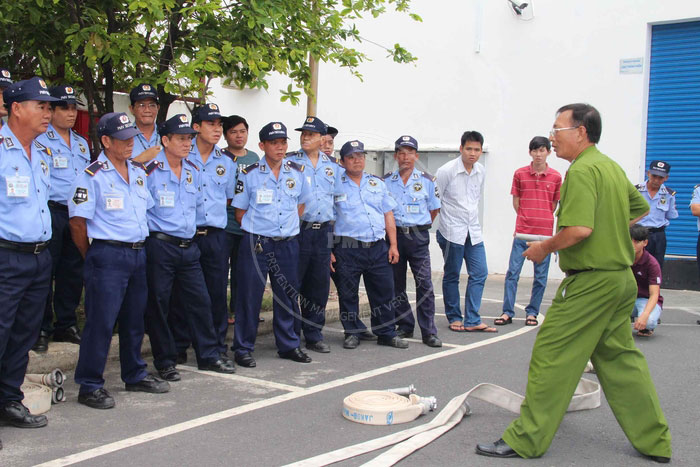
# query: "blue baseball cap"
[659,168]
[405,140]
[5,78]
[352,147]
[143,91]
[205,112]
[32,89]
[64,94]
[313,124]
[176,125]
[273,130]
[117,125]
[332,131]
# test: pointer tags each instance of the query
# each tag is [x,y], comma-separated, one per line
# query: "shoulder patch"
[93,168]
[192,164]
[295,166]
[430,177]
[41,147]
[251,168]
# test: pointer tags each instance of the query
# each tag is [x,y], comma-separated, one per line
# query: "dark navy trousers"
[66,275]
[24,286]
[414,251]
[115,292]
[315,278]
[278,259]
[372,263]
[169,266]
[657,246]
[233,245]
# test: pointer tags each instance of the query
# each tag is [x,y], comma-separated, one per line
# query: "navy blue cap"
[660,168]
[5,78]
[33,89]
[178,124]
[313,124]
[273,130]
[352,147]
[332,131]
[117,125]
[205,112]
[143,91]
[405,140]
[64,94]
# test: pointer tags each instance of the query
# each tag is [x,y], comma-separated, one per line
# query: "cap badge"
[276,126]
[213,107]
[123,119]
[310,120]
[42,83]
[6,73]
[406,138]
[69,90]
[183,118]
[354,144]
[146,87]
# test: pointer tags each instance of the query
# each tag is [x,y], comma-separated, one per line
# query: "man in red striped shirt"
[535,193]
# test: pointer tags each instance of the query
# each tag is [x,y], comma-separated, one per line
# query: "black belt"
[132,245]
[59,206]
[35,248]
[416,228]
[177,241]
[315,225]
[350,242]
[656,229]
[571,272]
[275,239]
[206,230]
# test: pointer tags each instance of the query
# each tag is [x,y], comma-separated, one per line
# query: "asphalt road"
[282,412]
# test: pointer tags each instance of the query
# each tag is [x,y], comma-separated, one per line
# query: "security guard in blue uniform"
[173,257]
[108,204]
[25,230]
[321,172]
[364,218]
[662,208]
[144,107]
[218,174]
[5,82]
[418,203]
[70,155]
[269,199]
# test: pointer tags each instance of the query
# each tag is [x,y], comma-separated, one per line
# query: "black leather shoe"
[404,334]
[351,341]
[219,366]
[660,459]
[16,414]
[498,449]
[432,341]
[366,336]
[395,341]
[169,374]
[224,356]
[42,343]
[296,355]
[149,383]
[245,360]
[99,399]
[181,358]
[320,347]
[71,334]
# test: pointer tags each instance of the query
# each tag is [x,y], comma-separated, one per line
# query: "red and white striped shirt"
[537,192]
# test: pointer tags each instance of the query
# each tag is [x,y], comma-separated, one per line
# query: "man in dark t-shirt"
[647,307]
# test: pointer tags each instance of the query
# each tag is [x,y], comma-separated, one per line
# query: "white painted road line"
[243,379]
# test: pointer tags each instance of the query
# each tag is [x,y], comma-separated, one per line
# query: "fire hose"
[42,390]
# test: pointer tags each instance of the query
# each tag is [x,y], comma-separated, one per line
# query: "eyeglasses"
[143,105]
[553,132]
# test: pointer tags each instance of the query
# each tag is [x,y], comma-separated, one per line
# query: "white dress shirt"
[460,193]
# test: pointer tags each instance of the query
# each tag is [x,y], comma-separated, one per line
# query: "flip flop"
[484,329]
[531,321]
[457,327]
[645,333]
[502,321]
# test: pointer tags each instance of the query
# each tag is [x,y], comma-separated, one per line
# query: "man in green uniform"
[589,317]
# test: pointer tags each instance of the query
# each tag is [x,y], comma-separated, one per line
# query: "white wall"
[509,89]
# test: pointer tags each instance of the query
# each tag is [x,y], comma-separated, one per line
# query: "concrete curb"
[65,356]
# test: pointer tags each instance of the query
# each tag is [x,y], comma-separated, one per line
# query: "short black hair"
[474,136]
[540,142]
[587,116]
[639,233]
[232,121]
[58,104]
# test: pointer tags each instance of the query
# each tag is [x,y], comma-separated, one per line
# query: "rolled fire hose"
[586,396]
[54,379]
[385,407]
[57,395]
[37,397]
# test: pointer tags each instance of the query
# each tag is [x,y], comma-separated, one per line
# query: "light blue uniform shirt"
[175,201]
[271,203]
[141,143]
[65,162]
[218,177]
[360,209]
[24,215]
[415,199]
[322,181]
[696,200]
[661,208]
[114,208]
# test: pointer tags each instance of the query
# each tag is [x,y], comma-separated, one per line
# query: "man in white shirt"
[459,183]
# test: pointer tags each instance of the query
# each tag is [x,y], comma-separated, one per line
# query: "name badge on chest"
[341,197]
[114,202]
[412,208]
[263,196]
[17,186]
[60,162]
[166,199]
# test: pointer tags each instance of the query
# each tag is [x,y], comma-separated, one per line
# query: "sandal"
[456,326]
[531,321]
[645,333]
[502,321]
[480,329]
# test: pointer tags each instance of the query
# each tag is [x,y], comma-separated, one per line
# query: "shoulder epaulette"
[41,147]
[295,166]
[430,177]
[696,186]
[293,153]
[93,168]
[187,161]
[79,135]
[229,154]
[251,167]
[138,165]
[670,190]
[150,166]
[639,186]
[387,175]
[332,159]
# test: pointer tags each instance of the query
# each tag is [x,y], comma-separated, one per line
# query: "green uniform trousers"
[590,318]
